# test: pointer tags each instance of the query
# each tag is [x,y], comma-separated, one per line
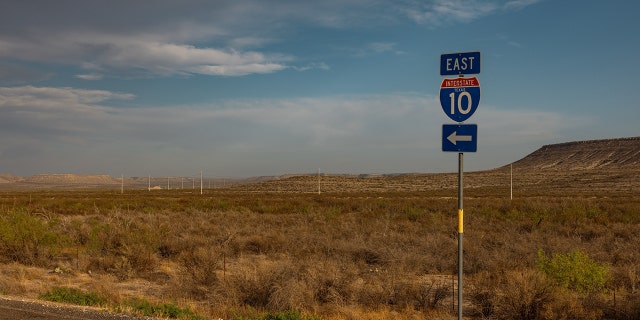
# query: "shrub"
[27,239]
[199,265]
[530,294]
[355,255]
[512,295]
[263,285]
[165,310]
[73,296]
[123,247]
[574,270]
[286,315]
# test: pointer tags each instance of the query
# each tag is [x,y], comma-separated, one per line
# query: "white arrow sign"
[454,138]
[459,137]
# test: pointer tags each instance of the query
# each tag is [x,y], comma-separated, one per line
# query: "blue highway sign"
[460,63]
[460,97]
[460,137]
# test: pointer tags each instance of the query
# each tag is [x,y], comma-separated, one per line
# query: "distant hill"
[582,166]
[611,164]
[67,178]
[9,178]
[622,153]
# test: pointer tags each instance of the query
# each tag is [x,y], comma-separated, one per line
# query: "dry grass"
[354,255]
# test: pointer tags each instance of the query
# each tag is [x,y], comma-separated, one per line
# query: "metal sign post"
[460,230]
[459,98]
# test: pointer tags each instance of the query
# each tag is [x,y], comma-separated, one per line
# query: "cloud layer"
[164,38]
[125,44]
[338,131]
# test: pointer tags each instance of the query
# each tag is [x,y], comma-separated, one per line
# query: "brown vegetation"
[342,256]
[365,248]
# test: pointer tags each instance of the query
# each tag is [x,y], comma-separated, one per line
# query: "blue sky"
[254,87]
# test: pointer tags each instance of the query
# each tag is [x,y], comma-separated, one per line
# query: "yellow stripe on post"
[460,221]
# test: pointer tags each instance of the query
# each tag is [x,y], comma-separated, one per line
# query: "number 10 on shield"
[460,98]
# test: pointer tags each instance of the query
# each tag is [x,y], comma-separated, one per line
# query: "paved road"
[19,309]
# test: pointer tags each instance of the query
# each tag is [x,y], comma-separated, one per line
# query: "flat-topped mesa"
[67,178]
[621,153]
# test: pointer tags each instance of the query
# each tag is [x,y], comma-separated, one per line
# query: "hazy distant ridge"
[594,158]
[67,178]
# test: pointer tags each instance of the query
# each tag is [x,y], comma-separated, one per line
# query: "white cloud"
[55,99]
[374,48]
[448,11]
[515,44]
[383,133]
[338,120]
[54,114]
[237,70]
[519,4]
[508,127]
[313,65]
[157,58]
[249,42]
[444,12]
[167,38]
[90,76]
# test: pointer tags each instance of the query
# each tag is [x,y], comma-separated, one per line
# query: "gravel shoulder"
[12,308]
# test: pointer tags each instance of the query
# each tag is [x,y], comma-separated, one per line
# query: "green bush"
[166,310]
[287,315]
[26,238]
[72,296]
[574,270]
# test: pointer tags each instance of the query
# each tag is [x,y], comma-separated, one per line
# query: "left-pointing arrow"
[454,138]
[459,137]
